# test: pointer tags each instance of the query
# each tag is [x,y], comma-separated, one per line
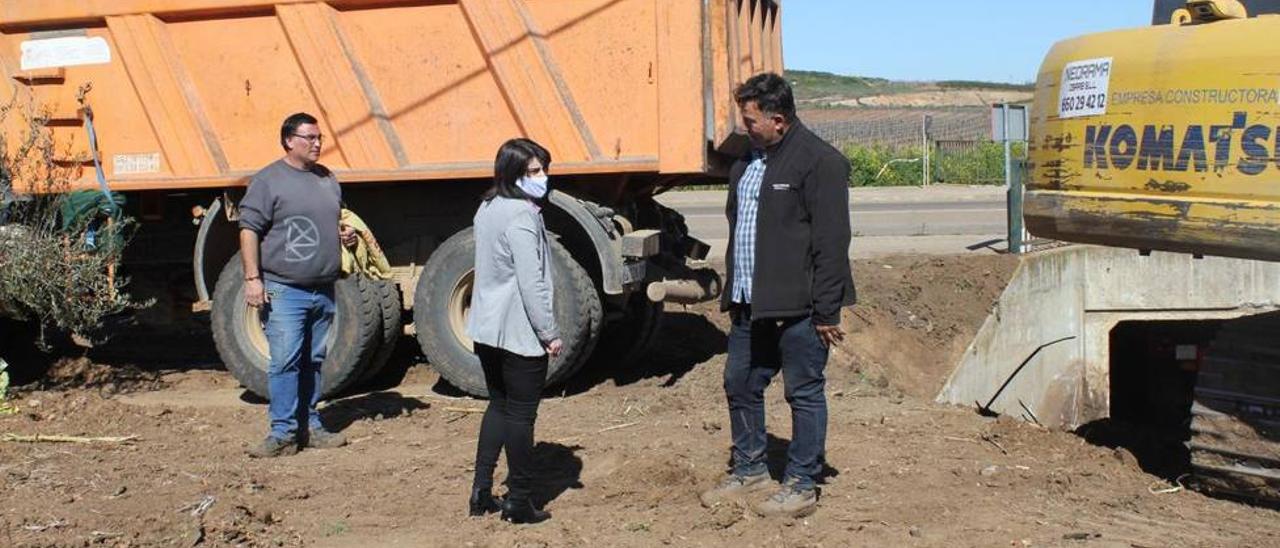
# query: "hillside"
[822,89]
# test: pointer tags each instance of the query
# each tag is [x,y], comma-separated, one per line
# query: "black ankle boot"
[482,502]
[523,511]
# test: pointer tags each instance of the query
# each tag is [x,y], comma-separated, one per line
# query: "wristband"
[252,278]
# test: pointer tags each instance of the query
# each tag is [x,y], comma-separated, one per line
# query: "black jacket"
[802,231]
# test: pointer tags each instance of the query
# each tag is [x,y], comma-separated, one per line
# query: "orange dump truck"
[414,97]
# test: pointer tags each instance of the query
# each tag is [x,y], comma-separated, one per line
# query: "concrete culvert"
[442,302]
[1168,356]
[354,336]
[1152,371]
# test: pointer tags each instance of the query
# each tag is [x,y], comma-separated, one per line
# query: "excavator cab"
[1183,12]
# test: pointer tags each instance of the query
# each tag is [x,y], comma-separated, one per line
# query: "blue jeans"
[297,326]
[757,351]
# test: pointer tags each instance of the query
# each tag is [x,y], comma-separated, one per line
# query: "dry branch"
[48,438]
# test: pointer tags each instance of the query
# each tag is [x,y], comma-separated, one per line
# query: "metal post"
[1014,189]
[924,149]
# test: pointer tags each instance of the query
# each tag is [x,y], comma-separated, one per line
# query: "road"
[885,221]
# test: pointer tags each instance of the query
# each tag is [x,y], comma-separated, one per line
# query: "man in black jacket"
[788,277]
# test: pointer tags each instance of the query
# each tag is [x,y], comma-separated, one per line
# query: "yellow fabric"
[367,257]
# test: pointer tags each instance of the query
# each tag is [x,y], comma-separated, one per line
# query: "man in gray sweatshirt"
[289,245]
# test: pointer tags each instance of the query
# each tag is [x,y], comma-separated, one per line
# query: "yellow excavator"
[1167,138]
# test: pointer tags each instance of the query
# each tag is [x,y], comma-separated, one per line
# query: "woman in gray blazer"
[513,324]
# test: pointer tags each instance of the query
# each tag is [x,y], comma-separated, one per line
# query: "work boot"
[319,438]
[734,486]
[482,502]
[271,447]
[522,511]
[789,500]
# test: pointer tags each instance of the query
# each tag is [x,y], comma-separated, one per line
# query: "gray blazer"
[511,304]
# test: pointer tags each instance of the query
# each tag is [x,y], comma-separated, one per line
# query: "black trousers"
[515,389]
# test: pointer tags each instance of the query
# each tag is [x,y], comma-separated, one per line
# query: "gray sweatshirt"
[295,213]
[512,302]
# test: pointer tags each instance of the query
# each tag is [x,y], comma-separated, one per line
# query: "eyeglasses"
[317,138]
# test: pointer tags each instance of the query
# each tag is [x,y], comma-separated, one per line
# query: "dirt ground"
[621,456]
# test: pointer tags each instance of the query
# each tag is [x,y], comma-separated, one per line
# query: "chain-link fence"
[899,129]
[902,147]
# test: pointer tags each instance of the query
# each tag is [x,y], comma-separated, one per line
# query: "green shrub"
[981,165]
[878,165]
[884,166]
[59,251]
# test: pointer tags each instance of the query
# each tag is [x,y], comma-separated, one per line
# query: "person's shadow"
[684,340]
[556,469]
[338,415]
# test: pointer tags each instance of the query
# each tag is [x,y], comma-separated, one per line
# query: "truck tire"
[443,299]
[389,304]
[242,345]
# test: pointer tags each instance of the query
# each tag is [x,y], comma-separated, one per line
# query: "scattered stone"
[915,532]
[268,516]
[1081,536]
[711,426]
[990,470]
[724,516]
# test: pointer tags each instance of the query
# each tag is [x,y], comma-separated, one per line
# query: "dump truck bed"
[190,93]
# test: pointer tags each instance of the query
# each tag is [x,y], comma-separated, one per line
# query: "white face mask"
[535,187]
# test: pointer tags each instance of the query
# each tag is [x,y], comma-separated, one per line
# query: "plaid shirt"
[744,234]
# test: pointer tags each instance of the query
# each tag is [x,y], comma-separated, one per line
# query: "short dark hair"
[290,126]
[512,163]
[771,94]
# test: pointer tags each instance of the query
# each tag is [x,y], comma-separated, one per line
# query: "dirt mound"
[916,316]
[81,372]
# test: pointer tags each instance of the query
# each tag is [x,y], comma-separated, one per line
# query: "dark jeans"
[297,321]
[515,389]
[757,351]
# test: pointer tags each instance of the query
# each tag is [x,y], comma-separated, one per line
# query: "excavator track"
[1235,420]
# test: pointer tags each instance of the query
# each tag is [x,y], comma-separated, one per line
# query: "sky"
[991,40]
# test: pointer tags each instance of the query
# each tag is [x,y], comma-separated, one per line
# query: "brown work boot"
[320,438]
[273,447]
[788,501]
[733,487]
